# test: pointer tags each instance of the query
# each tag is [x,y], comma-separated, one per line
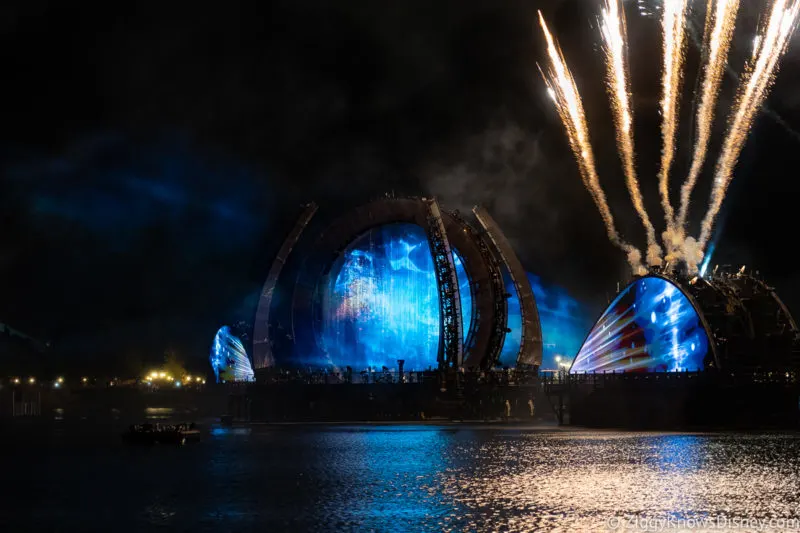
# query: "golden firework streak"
[612,25]
[719,31]
[755,83]
[562,89]
[673,28]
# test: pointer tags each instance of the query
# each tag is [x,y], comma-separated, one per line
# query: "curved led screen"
[382,303]
[650,327]
[229,358]
[464,291]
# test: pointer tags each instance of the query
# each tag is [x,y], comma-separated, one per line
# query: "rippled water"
[406,478]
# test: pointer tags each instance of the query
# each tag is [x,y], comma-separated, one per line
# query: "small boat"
[149,434]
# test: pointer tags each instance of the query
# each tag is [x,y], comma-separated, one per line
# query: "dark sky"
[153,157]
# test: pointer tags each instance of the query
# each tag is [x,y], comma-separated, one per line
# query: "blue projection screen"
[650,327]
[563,319]
[382,303]
[229,358]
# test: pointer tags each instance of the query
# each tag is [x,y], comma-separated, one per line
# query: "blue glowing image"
[564,320]
[564,323]
[465,292]
[229,358]
[650,327]
[382,303]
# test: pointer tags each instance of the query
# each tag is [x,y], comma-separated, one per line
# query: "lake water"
[80,477]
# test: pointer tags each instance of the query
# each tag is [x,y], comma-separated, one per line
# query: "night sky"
[152,158]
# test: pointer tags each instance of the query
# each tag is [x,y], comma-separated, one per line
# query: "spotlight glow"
[707,259]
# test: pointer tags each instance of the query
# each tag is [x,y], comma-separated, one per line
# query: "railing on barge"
[562,388]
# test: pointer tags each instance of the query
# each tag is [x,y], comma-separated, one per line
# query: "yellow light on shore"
[15,381]
[60,380]
[84,379]
[31,380]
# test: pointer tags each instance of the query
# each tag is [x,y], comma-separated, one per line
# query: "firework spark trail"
[718,40]
[673,28]
[753,88]
[768,111]
[564,92]
[612,26]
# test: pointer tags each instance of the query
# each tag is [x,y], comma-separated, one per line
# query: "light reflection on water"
[410,478]
[479,480]
[577,481]
[158,413]
[517,481]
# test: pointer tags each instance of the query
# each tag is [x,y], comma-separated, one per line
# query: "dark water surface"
[78,476]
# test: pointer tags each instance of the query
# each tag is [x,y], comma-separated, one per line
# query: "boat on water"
[175,434]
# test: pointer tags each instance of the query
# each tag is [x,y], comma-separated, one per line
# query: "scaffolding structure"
[531,347]
[451,347]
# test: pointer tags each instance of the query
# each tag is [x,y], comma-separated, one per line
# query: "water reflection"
[158,413]
[576,482]
[222,431]
[388,475]
[427,479]
[396,479]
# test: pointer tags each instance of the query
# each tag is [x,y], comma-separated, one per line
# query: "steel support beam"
[262,344]
[307,319]
[530,349]
[493,338]
[451,337]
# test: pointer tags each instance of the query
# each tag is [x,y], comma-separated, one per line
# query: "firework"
[719,31]
[759,74]
[562,89]
[673,29]
[768,47]
[614,33]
